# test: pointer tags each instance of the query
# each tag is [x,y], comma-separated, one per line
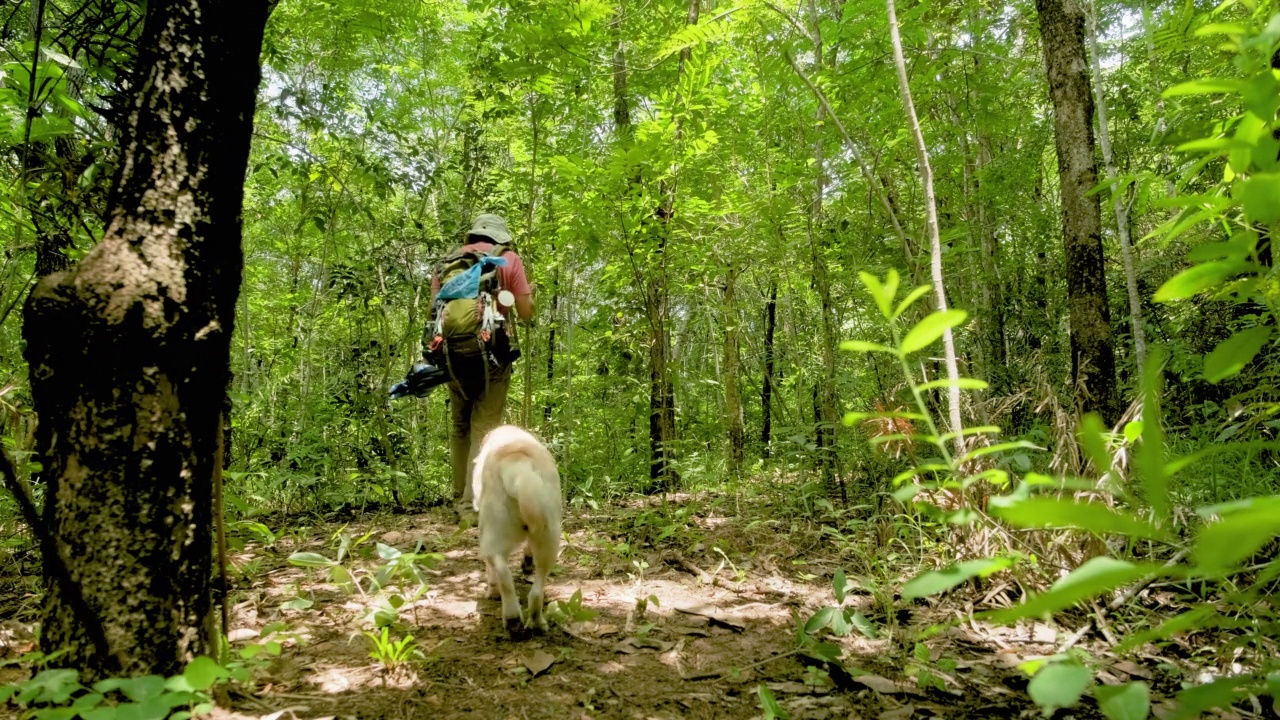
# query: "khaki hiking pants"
[471,417]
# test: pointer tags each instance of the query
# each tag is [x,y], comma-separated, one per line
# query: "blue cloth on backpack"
[466,284]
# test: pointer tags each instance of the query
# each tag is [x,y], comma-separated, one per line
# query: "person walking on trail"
[473,293]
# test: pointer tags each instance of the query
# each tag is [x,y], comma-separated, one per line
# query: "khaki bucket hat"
[491,226]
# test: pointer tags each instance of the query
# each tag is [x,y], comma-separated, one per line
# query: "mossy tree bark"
[129,352]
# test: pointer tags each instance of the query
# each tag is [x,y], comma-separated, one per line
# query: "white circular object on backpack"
[506,299]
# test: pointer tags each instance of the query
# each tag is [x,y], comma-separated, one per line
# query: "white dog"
[517,492]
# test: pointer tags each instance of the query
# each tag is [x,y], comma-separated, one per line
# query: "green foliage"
[56,694]
[1238,530]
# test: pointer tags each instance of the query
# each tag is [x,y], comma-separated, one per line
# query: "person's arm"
[518,283]
[524,306]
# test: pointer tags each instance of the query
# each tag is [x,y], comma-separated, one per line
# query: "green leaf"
[928,330]
[1130,701]
[1098,575]
[1220,29]
[1193,702]
[1218,144]
[998,448]
[910,300]
[1205,87]
[882,293]
[1223,544]
[340,575]
[141,689]
[1260,195]
[309,559]
[1181,622]
[386,552]
[1049,512]
[1132,431]
[1092,439]
[203,672]
[1199,278]
[772,710]
[864,626]
[839,583]
[826,652]
[962,383]
[840,624]
[936,581]
[296,604]
[864,346]
[820,619]
[1232,354]
[1059,685]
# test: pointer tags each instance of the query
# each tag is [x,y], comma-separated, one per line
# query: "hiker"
[474,291]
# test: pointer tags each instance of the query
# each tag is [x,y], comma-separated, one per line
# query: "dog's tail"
[539,505]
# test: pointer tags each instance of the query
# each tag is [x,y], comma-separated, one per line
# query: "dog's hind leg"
[544,559]
[507,588]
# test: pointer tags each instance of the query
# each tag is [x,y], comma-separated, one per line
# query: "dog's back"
[517,492]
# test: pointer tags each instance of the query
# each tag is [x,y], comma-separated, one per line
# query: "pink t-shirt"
[510,275]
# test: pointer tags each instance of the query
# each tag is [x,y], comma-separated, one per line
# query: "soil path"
[671,634]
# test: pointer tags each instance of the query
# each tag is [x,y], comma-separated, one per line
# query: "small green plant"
[387,611]
[739,574]
[403,566]
[638,576]
[255,531]
[565,612]
[925,671]
[815,677]
[244,663]
[393,654]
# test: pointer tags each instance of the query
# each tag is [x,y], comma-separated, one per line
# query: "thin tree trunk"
[651,277]
[1093,363]
[551,347]
[1118,203]
[825,400]
[732,401]
[931,225]
[130,351]
[766,387]
[1161,122]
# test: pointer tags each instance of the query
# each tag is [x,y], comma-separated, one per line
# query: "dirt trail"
[701,652]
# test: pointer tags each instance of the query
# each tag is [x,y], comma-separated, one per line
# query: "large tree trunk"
[129,352]
[1093,363]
